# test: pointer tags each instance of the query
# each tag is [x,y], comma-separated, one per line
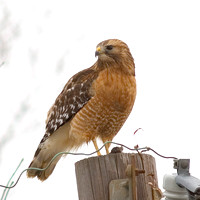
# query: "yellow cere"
[98,49]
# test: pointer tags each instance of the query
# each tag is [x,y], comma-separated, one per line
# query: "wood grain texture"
[95,173]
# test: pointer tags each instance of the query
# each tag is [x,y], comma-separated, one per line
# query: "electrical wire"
[9,187]
[143,149]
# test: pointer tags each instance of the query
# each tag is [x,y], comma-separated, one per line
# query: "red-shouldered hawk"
[94,103]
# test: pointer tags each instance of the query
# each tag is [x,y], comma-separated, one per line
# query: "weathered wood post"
[95,174]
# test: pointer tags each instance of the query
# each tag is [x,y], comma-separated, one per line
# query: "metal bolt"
[139,171]
[184,164]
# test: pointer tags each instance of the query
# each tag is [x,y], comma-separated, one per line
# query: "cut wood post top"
[94,174]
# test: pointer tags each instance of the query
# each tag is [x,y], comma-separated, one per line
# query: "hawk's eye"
[109,47]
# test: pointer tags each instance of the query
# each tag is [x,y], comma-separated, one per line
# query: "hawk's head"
[112,50]
[115,53]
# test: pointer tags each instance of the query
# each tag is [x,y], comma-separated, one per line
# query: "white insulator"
[172,190]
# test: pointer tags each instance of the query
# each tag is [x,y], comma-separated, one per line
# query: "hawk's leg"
[107,145]
[96,147]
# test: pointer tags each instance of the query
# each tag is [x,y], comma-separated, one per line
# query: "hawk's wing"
[76,93]
[74,96]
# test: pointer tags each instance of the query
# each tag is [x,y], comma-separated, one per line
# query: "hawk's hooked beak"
[98,51]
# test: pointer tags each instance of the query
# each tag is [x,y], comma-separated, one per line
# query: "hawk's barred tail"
[42,174]
[60,141]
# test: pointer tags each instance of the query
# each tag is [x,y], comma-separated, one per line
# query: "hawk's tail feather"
[42,174]
[59,141]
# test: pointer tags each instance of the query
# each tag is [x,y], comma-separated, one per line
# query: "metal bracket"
[119,189]
[126,189]
[184,179]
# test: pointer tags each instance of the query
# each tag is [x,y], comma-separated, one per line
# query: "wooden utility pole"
[109,177]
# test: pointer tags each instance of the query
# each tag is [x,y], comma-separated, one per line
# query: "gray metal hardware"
[119,189]
[184,179]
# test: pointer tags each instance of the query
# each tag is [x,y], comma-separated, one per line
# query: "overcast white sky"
[43,43]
